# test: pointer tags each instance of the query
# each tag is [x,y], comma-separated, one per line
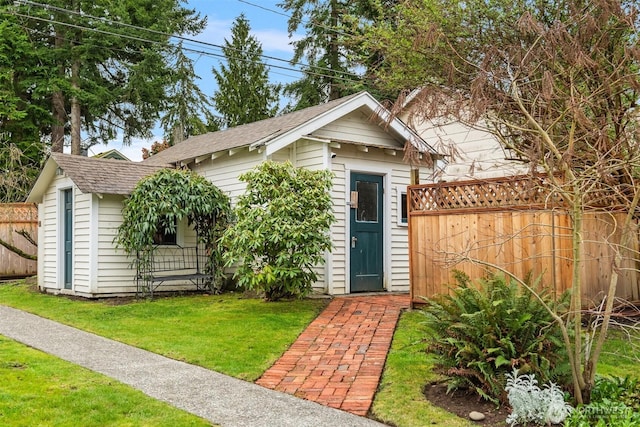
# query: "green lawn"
[230,334]
[400,400]
[226,333]
[41,390]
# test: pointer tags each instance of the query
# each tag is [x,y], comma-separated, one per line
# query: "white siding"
[81,242]
[339,274]
[224,171]
[48,250]
[471,153]
[312,155]
[356,127]
[396,174]
[283,155]
[115,275]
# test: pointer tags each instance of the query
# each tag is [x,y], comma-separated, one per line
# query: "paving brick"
[338,360]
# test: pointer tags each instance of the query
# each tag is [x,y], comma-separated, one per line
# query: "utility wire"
[304,21]
[187,49]
[183,38]
[265,8]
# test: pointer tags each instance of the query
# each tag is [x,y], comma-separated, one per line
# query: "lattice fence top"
[486,194]
[18,212]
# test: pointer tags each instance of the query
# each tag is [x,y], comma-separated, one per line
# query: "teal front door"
[67,237]
[366,260]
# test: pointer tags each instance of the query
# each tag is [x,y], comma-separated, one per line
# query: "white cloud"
[275,41]
[272,40]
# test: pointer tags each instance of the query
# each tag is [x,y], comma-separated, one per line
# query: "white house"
[470,152]
[80,199]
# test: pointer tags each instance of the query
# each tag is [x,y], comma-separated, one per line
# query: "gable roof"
[278,132]
[92,175]
[111,154]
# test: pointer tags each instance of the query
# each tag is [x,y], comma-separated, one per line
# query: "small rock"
[476,416]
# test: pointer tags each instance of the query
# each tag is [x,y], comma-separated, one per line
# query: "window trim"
[401,191]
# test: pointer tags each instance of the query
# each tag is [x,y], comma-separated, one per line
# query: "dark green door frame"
[367,232]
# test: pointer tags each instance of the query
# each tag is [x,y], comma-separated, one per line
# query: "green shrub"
[165,198]
[614,402]
[282,229]
[481,333]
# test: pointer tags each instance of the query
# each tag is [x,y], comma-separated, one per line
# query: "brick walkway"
[338,360]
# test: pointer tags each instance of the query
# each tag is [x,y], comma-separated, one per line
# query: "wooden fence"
[513,224]
[16,217]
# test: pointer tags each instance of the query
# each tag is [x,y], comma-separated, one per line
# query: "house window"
[166,235]
[402,206]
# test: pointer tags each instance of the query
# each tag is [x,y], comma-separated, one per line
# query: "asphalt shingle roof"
[240,136]
[104,176]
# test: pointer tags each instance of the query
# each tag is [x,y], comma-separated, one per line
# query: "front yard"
[227,333]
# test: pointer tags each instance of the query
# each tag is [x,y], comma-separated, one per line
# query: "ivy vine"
[167,197]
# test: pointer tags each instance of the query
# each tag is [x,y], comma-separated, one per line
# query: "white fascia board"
[362,100]
[42,183]
[306,129]
[262,141]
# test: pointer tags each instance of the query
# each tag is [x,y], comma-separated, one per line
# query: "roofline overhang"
[42,182]
[363,99]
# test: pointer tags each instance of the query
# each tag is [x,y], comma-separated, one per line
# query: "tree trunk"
[576,294]
[57,106]
[76,142]
[334,53]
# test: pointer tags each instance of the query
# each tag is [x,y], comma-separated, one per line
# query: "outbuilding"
[80,199]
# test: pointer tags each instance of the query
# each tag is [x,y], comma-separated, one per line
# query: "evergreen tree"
[102,65]
[327,48]
[244,93]
[188,108]
[24,115]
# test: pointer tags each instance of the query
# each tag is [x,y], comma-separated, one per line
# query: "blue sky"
[268,27]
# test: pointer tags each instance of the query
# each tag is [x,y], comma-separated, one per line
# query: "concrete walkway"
[338,360]
[221,399]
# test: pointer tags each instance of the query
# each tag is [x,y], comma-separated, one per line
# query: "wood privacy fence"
[509,223]
[16,217]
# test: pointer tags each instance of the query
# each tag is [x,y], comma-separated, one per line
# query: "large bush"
[164,199]
[282,229]
[481,333]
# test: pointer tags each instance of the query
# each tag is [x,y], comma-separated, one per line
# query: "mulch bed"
[462,402]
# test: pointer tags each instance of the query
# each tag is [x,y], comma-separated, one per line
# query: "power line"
[309,71]
[179,37]
[305,21]
[265,8]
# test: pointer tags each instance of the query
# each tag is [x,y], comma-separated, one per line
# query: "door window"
[367,201]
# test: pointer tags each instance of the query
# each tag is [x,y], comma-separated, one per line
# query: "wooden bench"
[174,263]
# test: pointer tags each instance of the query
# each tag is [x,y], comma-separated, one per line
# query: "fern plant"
[480,333]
